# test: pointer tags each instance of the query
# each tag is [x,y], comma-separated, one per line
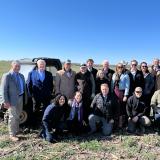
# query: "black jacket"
[53,115]
[99,82]
[135,106]
[138,81]
[94,72]
[38,89]
[108,109]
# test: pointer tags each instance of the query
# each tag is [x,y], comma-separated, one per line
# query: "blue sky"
[80,29]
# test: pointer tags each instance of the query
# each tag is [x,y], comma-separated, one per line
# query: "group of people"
[85,101]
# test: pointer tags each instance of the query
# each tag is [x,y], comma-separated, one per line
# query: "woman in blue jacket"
[54,116]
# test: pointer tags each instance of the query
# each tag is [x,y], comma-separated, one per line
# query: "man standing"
[91,69]
[84,82]
[65,81]
[40,85]
[107,71]
[13,93]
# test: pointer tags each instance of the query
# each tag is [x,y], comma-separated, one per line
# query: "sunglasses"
[144,66]
[134,64]
[138,91]
[120,67]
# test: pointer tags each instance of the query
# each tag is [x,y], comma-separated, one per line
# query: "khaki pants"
[14,117]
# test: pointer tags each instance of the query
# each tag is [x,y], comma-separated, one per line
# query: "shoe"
[14,138]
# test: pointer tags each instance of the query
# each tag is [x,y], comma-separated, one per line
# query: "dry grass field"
[117,147]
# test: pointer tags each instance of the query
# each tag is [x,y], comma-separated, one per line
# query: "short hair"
[15,62]
[105,61]
[90,60]
[41,61]
[134,61]
[138,88]
[104,85]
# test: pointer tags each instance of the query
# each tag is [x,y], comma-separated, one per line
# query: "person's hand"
[84,123]
[7,105]
[124,98]
[92,96]
[111,121]
[135,119]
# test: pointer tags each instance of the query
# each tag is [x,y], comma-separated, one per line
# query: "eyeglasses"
[134,64]
[138,91]
[120,67]
[144,66]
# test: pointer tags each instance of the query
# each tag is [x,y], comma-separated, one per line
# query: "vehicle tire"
[23,117]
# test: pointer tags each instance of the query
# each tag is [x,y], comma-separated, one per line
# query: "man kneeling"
[103,107]
[136,109]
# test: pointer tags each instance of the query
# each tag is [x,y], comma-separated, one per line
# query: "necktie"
[18,83]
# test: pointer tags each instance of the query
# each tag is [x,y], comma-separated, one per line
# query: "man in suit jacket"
[13,93]
[40,85]
[90,68]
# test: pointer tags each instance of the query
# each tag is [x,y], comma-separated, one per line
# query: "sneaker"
[14,138]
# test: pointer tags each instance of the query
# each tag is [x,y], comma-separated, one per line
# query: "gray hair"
[41,61]
[15,62]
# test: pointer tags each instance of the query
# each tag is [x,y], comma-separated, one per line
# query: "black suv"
[28,65]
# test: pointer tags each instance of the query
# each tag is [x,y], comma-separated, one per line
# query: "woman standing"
[120,86]
[149,84]
[101,79]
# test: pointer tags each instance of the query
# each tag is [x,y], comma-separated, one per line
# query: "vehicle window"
[53,70]
[25,69]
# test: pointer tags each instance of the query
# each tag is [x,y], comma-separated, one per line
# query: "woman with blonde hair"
[101,79]
[120,87]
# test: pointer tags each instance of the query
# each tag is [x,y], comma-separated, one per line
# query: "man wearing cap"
[65,80]
[13,97]
[136,109]
[40,85]
[90,68]
[84,82]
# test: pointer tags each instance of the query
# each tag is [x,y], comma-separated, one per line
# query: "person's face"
[133,65]
[120,68]
[83,70]
[138,93]
[156,62]
[144,67]
[78,97]
[105,65]
[104,90]
[67,66]
[16,67]
[41,66]
[89,64]
[101,75]
[61,101]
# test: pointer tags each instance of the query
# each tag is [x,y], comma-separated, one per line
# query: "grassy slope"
[146,147]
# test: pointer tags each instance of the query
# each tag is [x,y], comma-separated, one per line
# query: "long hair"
[56,100]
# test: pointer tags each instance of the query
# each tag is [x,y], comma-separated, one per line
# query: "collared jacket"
[135,106]
[37,88]
[10,90]
[65,84]
[107,109]
[155,101]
